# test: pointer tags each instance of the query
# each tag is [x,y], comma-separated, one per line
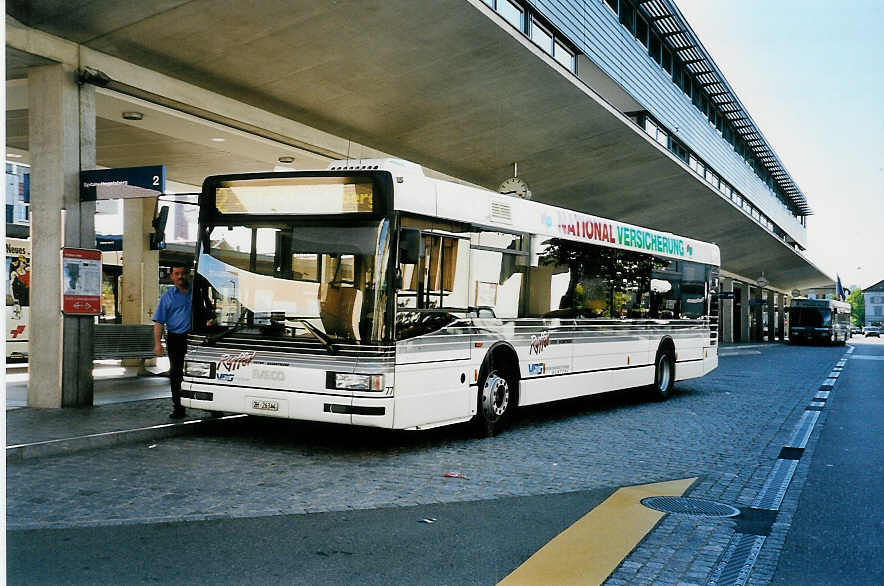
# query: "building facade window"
[641,30]
[512,13]
[656,48]
[627,15]
[564,55]
[532,24]
[541,36]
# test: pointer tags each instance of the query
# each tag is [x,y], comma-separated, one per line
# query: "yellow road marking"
[590,549]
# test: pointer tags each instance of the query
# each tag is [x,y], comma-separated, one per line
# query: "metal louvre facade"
[595,29]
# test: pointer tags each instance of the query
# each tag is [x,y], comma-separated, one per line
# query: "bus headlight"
[199,369]
[354,382]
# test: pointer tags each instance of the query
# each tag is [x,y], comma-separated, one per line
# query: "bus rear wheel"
[664,375]
[496,402]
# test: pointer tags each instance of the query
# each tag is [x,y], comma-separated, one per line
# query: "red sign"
[81,281]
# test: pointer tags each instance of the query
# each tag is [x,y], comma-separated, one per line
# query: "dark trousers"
[176,347]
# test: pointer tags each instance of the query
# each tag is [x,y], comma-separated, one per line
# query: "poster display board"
[81,281]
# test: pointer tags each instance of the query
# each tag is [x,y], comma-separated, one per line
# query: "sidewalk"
[113,383]
[128,408]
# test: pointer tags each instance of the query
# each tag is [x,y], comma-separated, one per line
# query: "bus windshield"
[294,279]
[810,317]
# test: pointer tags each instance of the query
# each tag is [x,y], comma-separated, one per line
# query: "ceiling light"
[286,159]
[217,139]
[132,115]
[13,155]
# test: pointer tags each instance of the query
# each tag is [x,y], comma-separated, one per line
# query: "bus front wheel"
[496,402]
[664,375]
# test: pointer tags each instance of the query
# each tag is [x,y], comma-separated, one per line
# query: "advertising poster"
[81,281]
[18,295]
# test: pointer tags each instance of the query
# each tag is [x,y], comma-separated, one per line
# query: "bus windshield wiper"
[225,333]
[240,324]
[319,335]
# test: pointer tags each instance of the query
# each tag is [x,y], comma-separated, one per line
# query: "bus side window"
[497,272]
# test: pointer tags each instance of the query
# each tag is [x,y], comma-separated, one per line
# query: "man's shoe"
[177,413]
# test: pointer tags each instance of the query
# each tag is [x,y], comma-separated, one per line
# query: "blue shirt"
[173,310]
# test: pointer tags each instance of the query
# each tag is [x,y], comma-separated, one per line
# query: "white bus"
[18,297]
[369,294]
[826,321]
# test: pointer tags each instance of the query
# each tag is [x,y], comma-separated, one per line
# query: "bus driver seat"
[341,310]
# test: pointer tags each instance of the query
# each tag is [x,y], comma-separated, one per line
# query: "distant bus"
[370,294]
[18,297]
[823,321]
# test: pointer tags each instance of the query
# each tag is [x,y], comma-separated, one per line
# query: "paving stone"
[725,428]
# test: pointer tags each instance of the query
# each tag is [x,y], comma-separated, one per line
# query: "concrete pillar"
[744,313]
[140,289]
[781,317]
[61,126]
[726,309]
[771,316]
[787,300]
[757,310]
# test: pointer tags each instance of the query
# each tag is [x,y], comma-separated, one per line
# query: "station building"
[873,296]
[611,107]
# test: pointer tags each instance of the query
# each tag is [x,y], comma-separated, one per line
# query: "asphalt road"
[286,502]
[468,543]
[837,534]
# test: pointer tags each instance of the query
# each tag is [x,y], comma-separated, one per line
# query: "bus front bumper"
[302,405]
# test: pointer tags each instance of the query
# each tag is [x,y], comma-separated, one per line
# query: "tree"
[572,255]
[623,273]
[857,307]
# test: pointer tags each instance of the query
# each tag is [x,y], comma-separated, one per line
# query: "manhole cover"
[690,506]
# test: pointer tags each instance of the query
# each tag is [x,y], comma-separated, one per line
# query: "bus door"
[432,338]
[432,297]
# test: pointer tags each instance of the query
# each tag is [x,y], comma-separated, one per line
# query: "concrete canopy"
[446,84]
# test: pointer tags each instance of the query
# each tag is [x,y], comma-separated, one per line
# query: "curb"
[56,447]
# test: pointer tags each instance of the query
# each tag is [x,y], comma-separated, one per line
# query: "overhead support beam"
[100,79]
[36,42]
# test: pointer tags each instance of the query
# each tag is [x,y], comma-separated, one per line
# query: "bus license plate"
[265,405]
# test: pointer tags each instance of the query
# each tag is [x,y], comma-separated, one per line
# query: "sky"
[811,75]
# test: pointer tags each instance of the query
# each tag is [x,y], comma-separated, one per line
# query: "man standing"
[173,311]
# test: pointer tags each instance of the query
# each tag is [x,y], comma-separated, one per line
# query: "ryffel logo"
[16,332]
[264,374]
[538,343]
[230,362]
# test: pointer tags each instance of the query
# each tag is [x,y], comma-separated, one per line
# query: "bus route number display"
[81,281]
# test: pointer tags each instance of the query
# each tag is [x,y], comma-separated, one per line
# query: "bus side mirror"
[158,238]
[411,246]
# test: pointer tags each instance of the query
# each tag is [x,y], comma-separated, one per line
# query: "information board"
[81,281]
[123,183]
